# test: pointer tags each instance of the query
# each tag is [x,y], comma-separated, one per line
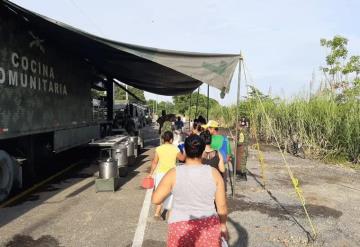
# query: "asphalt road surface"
[68,212]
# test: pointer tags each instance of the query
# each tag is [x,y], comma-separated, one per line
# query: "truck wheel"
[6,175]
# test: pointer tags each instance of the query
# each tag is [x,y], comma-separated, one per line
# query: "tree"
[182,104]
[151,104]
[167,106]
[341,73]
[120,94]
[335,59]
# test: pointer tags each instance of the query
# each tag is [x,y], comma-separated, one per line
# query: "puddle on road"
[28,241]
[284,211]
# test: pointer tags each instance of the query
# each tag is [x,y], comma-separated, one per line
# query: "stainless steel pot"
[135,140]
[108,169]
[130,148]
[119,153]
[140,142]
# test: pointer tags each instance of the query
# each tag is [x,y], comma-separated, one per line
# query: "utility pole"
[237,124]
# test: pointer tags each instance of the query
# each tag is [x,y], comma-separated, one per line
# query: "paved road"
[273,216]
[70,213]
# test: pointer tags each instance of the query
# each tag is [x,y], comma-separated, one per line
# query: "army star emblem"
[37,42]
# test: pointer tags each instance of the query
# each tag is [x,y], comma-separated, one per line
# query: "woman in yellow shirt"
[164,160]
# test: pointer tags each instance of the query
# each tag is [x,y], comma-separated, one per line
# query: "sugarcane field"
[179,124]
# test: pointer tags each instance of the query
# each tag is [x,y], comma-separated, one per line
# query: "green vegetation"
[327,123]
[120,94]
[327,128]
[182,105]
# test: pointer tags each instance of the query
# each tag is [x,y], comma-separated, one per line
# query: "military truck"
[130,117]
[46,105]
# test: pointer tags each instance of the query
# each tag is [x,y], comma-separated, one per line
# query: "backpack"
[167,126]
[223,150]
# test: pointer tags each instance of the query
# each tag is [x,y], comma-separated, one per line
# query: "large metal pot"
[140,142]
[119,153]
[135,140]
[130,148]
[108,169]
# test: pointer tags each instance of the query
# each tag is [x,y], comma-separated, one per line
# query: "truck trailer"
[47,71]
[45,101]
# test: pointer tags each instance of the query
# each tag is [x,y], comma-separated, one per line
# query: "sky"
[279,39]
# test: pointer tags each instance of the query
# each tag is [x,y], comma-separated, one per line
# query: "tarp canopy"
[158,71]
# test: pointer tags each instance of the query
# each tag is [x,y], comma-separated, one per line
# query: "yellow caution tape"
[294,180]
[261,157]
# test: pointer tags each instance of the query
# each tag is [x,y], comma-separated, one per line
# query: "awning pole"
[197,103]
[208,102]
[190,113]
[156,105]
[237,125]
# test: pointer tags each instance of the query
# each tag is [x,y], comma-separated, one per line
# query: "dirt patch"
[28,241]
[282,212]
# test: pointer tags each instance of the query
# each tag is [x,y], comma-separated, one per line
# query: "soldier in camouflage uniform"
[242,150]
[166,123]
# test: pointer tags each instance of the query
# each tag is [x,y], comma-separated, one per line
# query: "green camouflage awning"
[158,71]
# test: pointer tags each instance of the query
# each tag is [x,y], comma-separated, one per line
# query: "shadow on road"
[87,169]
[242,234]
[28,241]
[290,216]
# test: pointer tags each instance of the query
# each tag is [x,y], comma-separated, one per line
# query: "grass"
[329,130]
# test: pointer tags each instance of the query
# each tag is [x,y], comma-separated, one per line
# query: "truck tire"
[7,174]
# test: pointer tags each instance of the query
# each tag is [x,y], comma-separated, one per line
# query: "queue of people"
[197,218]
[165,158]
